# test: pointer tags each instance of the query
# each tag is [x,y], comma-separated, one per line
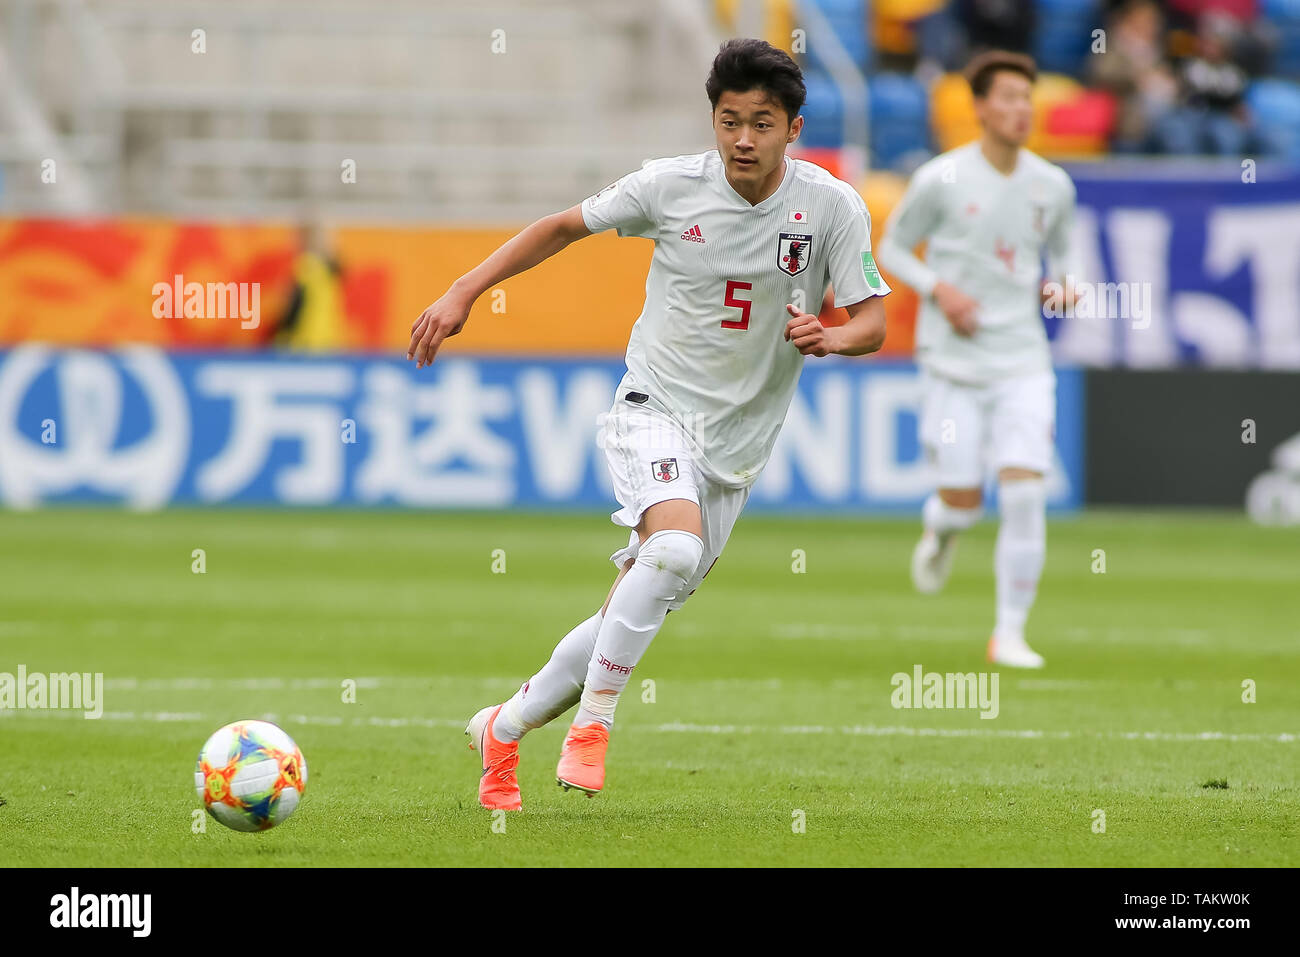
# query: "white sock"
[944,519]
[1020,552]
[664,564]
[553,690]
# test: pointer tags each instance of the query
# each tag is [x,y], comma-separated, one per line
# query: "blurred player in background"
[746,239]
[987,210]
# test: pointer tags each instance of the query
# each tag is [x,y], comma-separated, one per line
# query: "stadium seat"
[828,158]
[1064,33]
[779,23]
[848,21]
[1275,105]
[1284,16]
[1092,113]
[952,112]
[894,20]
[1080,126]
[823,112]
[899,118]
[1068,119]
[778,20]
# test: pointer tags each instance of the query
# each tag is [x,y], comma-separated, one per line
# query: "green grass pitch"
[772,693]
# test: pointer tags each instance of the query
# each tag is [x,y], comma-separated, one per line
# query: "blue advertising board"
[1192,264]
[147,428]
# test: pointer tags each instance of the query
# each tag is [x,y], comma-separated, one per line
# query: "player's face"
[753,131]
[1006,111]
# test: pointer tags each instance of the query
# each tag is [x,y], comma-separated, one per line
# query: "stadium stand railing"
[261,122]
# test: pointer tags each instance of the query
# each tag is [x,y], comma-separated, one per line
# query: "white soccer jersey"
[986,234]
[709,347]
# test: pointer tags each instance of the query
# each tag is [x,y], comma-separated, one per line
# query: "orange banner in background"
[97,284]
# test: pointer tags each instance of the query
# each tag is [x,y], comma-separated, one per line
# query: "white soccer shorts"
[650,461]
[965,429]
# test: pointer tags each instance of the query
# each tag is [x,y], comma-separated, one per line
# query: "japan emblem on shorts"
[794,251]
[665,470]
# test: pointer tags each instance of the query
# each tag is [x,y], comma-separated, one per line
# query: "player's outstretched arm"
[521,252]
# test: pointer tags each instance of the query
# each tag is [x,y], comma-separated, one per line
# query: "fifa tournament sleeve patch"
[869,271]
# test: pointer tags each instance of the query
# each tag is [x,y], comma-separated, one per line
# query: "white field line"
[282,684]
[405,681]
[156,626]
[895,730]
[286,719]
[412,682]
[778,631]
[683,728]
[866,631]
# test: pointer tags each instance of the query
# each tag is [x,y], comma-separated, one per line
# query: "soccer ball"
[250,775]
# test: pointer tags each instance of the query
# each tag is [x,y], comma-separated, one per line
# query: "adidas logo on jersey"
[694,235]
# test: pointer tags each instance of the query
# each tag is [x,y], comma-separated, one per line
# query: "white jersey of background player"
[988,211]
[746,240]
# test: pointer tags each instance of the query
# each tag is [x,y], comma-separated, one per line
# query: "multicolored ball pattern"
[250,775]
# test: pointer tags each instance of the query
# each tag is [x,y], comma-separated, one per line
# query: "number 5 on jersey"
[741,304]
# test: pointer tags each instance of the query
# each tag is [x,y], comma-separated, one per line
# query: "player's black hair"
[981,70]
[747,64]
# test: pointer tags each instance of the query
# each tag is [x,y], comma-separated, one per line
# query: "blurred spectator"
[1249,38]
[1134,71]
[313,320]
[1212,117]
[1188,13]
[940,40]
[1173,78]
[998,24]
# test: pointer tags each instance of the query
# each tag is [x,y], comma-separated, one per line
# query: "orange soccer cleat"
[1012,650]
[498,787]
[582,760]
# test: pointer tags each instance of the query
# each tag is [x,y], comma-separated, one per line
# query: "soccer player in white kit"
[746,240]
[988,211]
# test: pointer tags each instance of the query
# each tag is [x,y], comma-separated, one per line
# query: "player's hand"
[807,333]
[958,307]
[444,318]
